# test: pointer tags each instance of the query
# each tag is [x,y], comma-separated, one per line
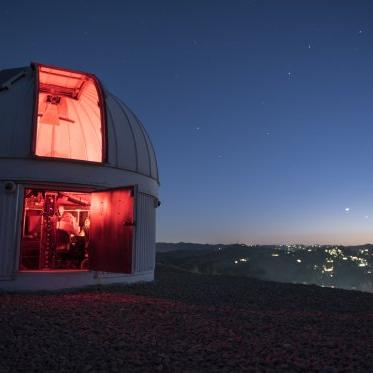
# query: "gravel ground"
[188,322]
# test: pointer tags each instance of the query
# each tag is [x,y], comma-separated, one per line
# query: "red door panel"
[111,230]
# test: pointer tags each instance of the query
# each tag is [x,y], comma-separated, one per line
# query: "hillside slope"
[190,322]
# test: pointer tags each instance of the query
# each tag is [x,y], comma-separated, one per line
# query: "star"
[290,75]
[361,32]
[366,217]
[220,156]
[347,209]
[198,128]
[268,133]
[309,46]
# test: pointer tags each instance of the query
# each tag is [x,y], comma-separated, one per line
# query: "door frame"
[70,188]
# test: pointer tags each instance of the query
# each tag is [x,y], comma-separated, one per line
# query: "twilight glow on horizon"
[260,112]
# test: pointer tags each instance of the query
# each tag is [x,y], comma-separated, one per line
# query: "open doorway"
[70,230]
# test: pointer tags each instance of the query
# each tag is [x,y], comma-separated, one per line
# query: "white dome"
[67,142]
[128,147]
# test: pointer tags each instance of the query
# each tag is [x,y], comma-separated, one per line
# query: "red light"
[66,230]
[69,116]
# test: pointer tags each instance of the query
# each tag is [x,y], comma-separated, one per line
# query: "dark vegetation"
[333,266]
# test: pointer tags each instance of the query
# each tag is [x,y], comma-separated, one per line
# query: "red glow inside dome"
[69,115]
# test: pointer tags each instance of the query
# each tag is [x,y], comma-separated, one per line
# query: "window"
[70,117]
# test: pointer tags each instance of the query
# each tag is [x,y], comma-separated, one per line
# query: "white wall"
[10,222]
[145,233]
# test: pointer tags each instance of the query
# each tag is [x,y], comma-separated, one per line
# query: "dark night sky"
[260,111]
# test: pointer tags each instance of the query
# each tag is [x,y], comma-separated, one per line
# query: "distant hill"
[163,247]
[348,267]
[173,246]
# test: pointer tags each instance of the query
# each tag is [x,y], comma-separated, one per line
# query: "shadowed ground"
[188,322]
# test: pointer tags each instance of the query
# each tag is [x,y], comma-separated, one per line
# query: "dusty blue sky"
[260,111]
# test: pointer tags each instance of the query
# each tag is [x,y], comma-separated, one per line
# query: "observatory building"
[78,183]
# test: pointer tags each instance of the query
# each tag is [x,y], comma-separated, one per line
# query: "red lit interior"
[69,118]
[64,230]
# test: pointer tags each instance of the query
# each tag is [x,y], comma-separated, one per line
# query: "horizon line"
[261,244]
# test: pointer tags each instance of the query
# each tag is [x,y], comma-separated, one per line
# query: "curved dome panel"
[128,146]
[135,151]
[17,88]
